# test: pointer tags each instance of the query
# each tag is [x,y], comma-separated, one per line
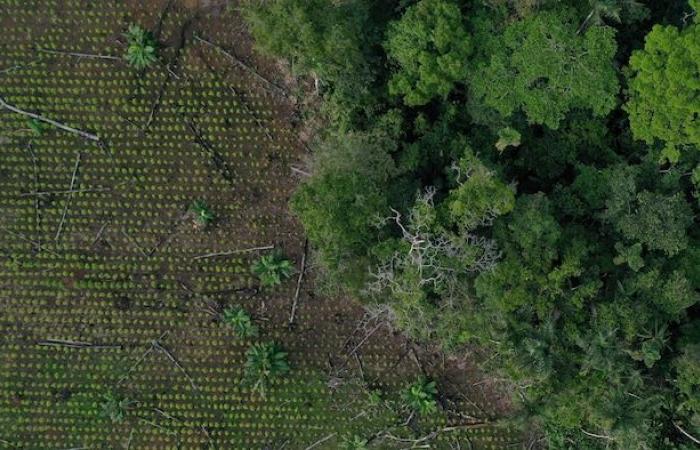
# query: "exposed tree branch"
[686,434]
[302,270]
[234,252]
[63,127]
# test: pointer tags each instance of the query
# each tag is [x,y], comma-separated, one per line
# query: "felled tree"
[542,67]
[430,45]
[664,90]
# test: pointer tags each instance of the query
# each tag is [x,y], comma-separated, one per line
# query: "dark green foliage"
[238,319]
[264,364]
[420,396]
[540,66]
[141,47]
[272,269]
[431,46]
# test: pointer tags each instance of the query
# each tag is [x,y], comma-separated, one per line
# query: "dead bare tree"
[434,258]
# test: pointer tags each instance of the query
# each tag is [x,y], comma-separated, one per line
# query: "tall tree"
[664,92]
[539,65]
[430,46]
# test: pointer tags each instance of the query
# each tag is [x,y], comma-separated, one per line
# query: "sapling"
[272,269]
[238,319]
[141,50]
[264,363]
[420,396]
[203,215]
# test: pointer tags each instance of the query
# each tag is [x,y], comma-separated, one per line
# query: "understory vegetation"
[521,175]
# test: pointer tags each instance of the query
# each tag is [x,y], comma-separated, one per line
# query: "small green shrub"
[272,269]
[420,396]
[264,363]
[114,407]
[355,442]
[141,50]
[238,319]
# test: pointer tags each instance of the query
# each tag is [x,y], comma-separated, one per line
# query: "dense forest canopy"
[523,175]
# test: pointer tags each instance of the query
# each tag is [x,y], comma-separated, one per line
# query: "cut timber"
[77,54]
[63,127]
[234,252]
[299,280]
[70,197]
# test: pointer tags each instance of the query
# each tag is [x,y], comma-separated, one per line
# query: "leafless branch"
[63,127]
[77,54]
[302,270]
[234,252]
[320,441]
[686,434]
[70,197]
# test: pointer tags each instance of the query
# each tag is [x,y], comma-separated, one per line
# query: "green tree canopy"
[664,90]
[539,65]
[431,45]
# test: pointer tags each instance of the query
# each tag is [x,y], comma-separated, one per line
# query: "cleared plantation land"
[108,286]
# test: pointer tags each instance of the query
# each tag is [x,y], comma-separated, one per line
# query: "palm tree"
[614,10]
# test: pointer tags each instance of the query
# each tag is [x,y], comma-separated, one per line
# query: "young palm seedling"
[272,269]
[238,319]
[141,50]
[203,215]
[420,396]
[264,363]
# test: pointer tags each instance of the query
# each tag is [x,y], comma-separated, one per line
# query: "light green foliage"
[664,91]
[238,319]
[479,197]
[355,443]
[431,45]
[319,36]
[687,382]
[658,221]
[334,42]
[420,396]
[265,363]
[617,11]
[272,269]
[203,215]
[114,407]
[632,256]
[508,137]
[141,47]
[540,66]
